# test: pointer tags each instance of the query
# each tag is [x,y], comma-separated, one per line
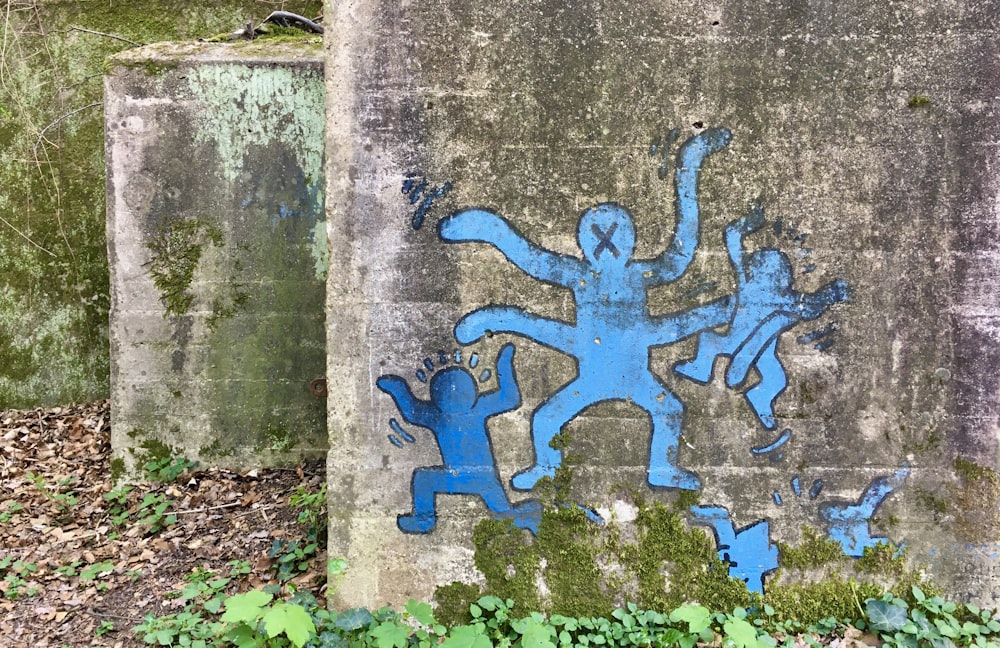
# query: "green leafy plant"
[291,557]
[16,575]
[153,512]
[59,495]
[931,622]
[96,570]
[166,469]
[9,509]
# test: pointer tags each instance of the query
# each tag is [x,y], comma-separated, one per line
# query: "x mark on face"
[604,240]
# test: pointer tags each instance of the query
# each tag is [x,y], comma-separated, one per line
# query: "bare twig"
[59,120]
[97,33]
[26,237]
[202,510]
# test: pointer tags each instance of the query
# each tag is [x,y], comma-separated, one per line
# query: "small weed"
[104,628]
[166,469]
[153,512]
[63,501]
[9,510]
[290,557]
[70,570]
[15,581]
[95,571]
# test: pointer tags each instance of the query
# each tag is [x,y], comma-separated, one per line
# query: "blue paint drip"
[776,496]
[421,376]
[612,337]
[777,443]
[748,551]
[456,415]
[395,441]
[458,356]
[817,488]
[824,345]
[796,486]
[847,522]
[398,429]
[484,375]
[474,360]
[801,238]
[766,306]
[428,364]
[809,268]
[442,358]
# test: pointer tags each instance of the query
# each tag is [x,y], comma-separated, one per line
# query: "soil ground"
[78,568]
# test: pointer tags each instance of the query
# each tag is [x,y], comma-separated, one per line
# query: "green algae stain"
[176,249]
[977,500]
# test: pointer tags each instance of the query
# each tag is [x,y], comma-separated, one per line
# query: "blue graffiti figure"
[456,414]
[847,522]
[748,551]
[613,333]
[766,306]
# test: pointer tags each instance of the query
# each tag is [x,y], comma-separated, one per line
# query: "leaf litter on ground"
[82,561]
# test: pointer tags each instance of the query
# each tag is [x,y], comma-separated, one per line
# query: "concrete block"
[217,242]
[565,178]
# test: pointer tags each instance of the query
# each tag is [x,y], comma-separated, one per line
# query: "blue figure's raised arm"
[506,319]
[735,231]
[811,306]
[412,409]
[672,263]
[486,227]
[507,396]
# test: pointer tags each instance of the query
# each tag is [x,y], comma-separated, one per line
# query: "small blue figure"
[614,332]
[766,306]
[848,521]
[748,552]
[456,414]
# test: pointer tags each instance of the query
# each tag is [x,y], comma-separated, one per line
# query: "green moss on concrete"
[176,249]
[814,551]
[117,469]
[977,502]
[55,299]
[918,101]
[451,603]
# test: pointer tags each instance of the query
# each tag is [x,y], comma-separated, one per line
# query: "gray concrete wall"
[54,296]
[218,252]
[833,224]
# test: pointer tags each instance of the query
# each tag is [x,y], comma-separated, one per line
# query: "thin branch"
[97,33]
[202,510]
[26,237]
[61,118]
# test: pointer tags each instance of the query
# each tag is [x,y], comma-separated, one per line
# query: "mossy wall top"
[54,297]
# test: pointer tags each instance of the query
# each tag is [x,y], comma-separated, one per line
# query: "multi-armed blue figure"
[614,332]
[456,414]
[766,306]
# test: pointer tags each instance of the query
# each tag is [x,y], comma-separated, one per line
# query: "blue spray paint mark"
[442,358]
[809,268]
[474,360]
[613,334]
[824,345]
[812,336]
[485,375]
[777,443]
[796,486]
[419,191]
[398,429]
[766,306]
[776,496]
[748,551]
[817,488]
[428,365]
[421,376]
[456,415]
[703,288]
[394,440]
[848,522]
